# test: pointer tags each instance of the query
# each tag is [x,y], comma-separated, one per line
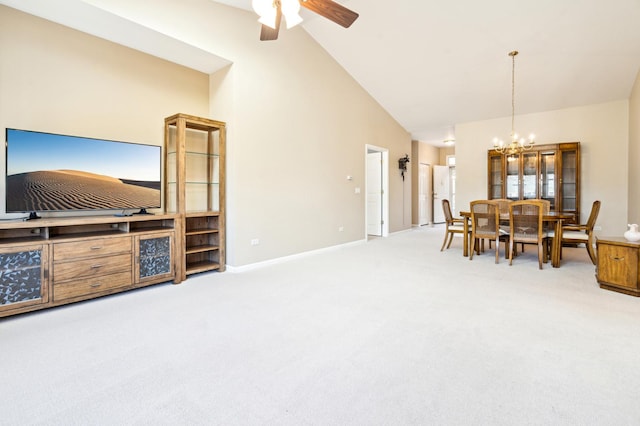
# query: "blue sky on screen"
[33,151]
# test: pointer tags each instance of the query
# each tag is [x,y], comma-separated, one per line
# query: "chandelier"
[517,144]
[268,10]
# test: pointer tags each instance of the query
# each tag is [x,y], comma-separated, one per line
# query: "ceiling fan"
[271,12]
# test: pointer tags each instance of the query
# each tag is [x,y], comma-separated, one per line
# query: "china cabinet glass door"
[548,177]
[529,175]
[513,176]
[495,177]
[569,180]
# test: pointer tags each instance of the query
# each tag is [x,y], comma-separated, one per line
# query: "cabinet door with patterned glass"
[23,281]
[154,258]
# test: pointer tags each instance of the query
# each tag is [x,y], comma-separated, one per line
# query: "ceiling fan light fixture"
[291,12]
[271,13]
[292,20]
[267,11]
[268,20]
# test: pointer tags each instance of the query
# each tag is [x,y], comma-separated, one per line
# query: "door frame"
[384,188]
[436,169]
[427,191]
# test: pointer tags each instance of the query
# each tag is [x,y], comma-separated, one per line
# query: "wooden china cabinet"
[195,190]
[549,172]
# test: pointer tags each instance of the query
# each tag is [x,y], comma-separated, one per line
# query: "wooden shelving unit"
[195,190]
[202,249]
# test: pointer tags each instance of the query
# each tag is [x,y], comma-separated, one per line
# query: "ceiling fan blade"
[332,11]
[267,33]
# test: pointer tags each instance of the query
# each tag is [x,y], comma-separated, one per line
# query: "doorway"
[424,200]
[377,192]
[440,191]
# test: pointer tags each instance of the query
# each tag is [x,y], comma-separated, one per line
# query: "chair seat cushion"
[575,235]
[524,236]
[456,228]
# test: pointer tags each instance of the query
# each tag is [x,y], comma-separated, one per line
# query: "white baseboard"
[256,265]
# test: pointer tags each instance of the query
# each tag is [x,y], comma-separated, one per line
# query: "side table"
[617,265]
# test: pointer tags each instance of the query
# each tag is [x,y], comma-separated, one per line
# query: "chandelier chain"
[513,92]
[515,145]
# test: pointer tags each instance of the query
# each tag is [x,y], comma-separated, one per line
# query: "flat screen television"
[48,172]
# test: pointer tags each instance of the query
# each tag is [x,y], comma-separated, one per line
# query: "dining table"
[554,218]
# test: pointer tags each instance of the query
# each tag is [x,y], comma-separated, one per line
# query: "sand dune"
[80,173]
[73,190]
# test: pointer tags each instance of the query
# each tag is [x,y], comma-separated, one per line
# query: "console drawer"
[88,286]
[91,248]
[91,267]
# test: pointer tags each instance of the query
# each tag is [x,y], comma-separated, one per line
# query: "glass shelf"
[195,183]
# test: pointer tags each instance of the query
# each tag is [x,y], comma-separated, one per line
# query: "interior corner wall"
[603,133]
[633,215]
[59,80]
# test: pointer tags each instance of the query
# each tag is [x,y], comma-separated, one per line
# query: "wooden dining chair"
[546,209]
[526,227]
[485,224]
[453,225]
[583,234]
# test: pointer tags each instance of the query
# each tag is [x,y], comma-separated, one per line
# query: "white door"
[440,191]
[423,194]
[374,193]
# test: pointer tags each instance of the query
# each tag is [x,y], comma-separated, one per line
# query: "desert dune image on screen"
[49,172]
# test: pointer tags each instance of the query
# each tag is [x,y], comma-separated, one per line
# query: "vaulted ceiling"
[432,64]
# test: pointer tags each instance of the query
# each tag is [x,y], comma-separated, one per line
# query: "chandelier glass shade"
[268,12]
[516,143]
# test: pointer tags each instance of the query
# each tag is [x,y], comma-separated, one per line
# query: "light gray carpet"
[389,332]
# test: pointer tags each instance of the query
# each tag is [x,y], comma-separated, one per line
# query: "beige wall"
[603,133]
[444,153]
[634,153]
[55,79]
[297,122]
